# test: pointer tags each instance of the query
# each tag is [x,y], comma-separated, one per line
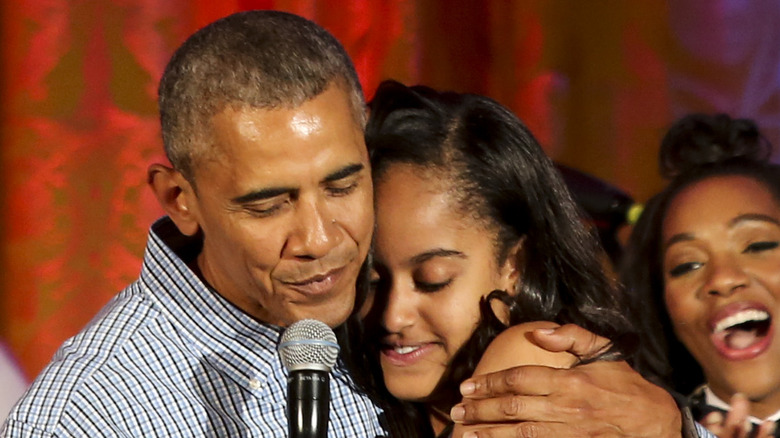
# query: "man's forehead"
[319,136]
[294,172]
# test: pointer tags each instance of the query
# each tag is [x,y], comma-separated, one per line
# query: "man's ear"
[176,196]
[512,268]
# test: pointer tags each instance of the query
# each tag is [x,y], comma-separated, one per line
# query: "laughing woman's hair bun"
[702,140]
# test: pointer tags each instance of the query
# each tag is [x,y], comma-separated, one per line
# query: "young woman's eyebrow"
[439,252]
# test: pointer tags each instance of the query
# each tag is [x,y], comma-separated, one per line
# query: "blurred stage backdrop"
[598,81]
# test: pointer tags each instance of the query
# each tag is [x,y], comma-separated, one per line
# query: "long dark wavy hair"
[500,176]
[696,147]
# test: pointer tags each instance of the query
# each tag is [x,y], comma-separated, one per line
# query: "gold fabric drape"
[598,81]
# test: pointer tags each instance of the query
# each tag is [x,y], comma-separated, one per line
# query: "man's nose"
[316,232]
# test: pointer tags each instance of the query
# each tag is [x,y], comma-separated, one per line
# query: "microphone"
[308,350]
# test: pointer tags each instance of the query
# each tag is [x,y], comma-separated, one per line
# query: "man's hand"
[605,399]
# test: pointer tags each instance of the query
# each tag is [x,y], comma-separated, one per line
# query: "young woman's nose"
[400,309]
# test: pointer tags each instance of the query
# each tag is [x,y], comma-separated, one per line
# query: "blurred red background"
[598,81]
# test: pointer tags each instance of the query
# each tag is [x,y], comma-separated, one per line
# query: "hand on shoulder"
[595,399]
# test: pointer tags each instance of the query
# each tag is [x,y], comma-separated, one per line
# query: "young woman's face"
[433,265]
[721,262]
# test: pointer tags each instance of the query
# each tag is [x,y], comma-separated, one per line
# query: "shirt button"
[254,383]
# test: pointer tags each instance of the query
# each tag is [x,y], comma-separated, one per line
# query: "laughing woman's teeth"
[406,350]
[740,318]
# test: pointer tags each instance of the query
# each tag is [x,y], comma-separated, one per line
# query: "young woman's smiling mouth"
[403,355]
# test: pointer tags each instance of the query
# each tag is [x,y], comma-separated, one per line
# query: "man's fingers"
[500,409]
[572,338]
[602,398]
[534,380]
[517,408]
[522,380]
[518,430]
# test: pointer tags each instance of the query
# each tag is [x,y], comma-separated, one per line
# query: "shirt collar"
[713,400]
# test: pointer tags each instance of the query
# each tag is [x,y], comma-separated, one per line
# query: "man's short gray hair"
[258,59]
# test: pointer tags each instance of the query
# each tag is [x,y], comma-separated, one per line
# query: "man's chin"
[332,315]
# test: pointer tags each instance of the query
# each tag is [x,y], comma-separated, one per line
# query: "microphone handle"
[308,400]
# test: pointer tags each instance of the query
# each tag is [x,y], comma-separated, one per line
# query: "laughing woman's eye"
[761,246]
[684,268]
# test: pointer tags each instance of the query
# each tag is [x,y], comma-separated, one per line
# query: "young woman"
[476,232]
[705,257]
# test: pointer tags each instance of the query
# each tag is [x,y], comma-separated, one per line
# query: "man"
[269,219]
[269,205]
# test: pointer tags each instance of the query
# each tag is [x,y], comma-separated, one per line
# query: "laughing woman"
[475,233]
[705,255]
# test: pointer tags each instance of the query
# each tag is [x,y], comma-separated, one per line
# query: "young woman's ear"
[512,268]
[176,196]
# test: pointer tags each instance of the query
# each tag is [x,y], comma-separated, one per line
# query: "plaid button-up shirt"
[169,357]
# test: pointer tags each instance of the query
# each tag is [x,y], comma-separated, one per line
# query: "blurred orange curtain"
[598,81]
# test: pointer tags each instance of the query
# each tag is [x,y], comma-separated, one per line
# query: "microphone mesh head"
[308,345]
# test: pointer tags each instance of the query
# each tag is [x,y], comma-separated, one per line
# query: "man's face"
[285,205]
